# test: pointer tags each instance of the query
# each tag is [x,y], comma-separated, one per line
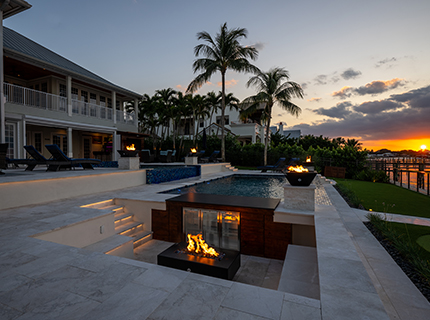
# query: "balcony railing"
[42,100]
[34,98]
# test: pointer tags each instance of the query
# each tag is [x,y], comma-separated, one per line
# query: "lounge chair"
[212,158]
[166,156]
[277,167]
[174,156]
[60,161]
[3,150]
[36,159]
[147,156]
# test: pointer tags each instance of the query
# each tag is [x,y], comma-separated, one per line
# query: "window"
[109,103]
[10,139]
[84,96]
[37,138]
[226,120]
[117,105]
[61,141]
[74,93]
[201,123]
[44,87]
[63,90]
[93,98]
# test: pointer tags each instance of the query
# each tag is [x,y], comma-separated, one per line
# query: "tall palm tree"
[222,53]
[166,98]
[272,91]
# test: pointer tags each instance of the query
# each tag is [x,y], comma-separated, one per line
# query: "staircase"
[229,167]
[125,228]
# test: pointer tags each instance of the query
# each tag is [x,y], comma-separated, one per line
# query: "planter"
[300,179]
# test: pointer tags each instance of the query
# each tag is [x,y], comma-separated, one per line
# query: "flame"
[196,244]
[131,148]
[308,159]
[297,169]
[193,150]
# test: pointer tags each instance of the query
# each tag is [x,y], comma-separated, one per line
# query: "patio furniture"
[3,150]
[212,158]
[31,163]
[166,156]
[277,167]
[174,156]
[61,161]
[146,156]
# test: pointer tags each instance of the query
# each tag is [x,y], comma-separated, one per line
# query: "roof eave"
[14,7]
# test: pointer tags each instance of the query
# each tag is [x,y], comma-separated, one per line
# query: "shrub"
[372,175]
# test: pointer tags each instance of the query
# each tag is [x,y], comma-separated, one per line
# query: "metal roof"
[16,45]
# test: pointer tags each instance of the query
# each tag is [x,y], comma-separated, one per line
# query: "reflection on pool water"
[239,185]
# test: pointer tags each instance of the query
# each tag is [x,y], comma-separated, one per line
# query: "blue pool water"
[239,185]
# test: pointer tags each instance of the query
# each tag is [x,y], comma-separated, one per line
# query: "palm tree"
[214,102]
[166,98]
[353,143]
[222,53]
[272,91]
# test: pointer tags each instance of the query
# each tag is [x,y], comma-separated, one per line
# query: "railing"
[42,100]
[91,110]
[125,117]
[34,98]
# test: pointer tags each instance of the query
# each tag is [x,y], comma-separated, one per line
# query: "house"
[48,99]
[291,134]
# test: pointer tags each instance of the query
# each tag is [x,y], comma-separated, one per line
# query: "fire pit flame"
[130,148]
[308,159]
[193,150]
[297,169]
[196,244]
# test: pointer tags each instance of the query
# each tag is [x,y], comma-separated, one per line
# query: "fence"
[410,173]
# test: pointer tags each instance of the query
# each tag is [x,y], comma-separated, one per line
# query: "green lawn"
[389,198]
[413,233]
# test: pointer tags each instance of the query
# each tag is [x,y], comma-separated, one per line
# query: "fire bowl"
[225,268]
[300,179]
[128,153]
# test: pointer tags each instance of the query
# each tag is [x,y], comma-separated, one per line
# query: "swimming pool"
[239,185]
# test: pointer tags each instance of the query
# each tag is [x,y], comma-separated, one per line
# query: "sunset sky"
[364,65]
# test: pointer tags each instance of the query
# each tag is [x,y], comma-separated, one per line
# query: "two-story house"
[48,99]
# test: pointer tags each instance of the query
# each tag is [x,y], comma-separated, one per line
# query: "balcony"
[51,102]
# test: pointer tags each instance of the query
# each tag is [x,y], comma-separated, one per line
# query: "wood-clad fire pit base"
[225,268]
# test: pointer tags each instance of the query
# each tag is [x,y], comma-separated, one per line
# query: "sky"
[364,65]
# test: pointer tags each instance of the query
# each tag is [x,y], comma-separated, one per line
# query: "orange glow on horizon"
[396,145]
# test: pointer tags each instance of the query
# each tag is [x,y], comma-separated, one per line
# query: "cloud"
[314,99]
[258,45]
[418,98]
[180,87]
[374,107]
[321,79]
[401,116]
[343,93]
[385,61]
[229,83]
[304,85]
[350,74]
[378,86]
[340,111]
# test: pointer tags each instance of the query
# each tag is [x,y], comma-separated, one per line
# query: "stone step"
[141,238]
[129,228]
[109,244]
[113,207]
[300,272]
[122,218]
[99,205]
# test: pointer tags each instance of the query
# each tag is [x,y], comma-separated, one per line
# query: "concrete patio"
[39,279]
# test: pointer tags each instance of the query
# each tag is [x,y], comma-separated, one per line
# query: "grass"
[383,197]
[405,238]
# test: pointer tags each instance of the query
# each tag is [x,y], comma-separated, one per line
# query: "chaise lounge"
[212,158]
[277,167]
[60,161]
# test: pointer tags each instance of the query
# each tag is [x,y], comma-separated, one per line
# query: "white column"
[69,95]
[2,98]
[136,112]
[69,142]
[114,146]
[114,106]
[23,139]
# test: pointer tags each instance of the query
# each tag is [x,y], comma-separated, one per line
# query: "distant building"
[294,134]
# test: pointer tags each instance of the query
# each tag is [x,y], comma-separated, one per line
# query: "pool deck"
[46,280]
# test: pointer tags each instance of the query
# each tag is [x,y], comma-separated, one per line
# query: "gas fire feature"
[128,159]
[224,266]
[300,176]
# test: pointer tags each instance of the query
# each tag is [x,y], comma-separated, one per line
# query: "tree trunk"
[222,116]
[267,134]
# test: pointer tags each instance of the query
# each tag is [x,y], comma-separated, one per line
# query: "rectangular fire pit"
[225,268]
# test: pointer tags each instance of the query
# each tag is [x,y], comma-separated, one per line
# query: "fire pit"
[129,152]
[196,256]
[191,158]
[299,176]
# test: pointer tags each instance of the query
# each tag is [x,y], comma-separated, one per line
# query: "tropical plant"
[222,53]
[166,98]
[214,103]
[272,91]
